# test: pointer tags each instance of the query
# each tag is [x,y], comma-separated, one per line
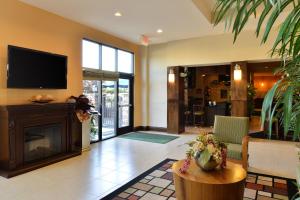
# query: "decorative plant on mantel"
[83,107]
[285,93]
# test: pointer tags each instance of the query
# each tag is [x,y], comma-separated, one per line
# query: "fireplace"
[33,136]
[41,142]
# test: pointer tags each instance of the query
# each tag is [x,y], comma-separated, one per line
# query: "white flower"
[198,146]
[201,146]
[211,149]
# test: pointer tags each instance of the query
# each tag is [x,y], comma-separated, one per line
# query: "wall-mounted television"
[28,68]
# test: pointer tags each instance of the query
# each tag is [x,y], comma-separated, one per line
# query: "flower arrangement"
[207,151]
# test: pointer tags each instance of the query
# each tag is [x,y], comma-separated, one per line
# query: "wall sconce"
[237,73]
[171,76]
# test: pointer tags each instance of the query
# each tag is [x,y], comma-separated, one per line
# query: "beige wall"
[204,50]
[26,26]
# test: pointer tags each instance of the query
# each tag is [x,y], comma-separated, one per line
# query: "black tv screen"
[29,68]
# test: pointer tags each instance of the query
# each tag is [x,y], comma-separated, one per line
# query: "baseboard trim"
[140,128]
[161,129]
[150,128]
[86,149]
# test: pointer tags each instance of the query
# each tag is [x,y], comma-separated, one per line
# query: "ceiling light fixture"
[159,31]
[118,14]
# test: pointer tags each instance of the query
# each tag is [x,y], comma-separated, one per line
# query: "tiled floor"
[158,184]
[114,162]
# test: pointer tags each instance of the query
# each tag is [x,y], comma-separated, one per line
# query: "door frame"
[127,129]
[119,130]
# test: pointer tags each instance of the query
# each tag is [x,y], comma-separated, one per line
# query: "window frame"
[116,57]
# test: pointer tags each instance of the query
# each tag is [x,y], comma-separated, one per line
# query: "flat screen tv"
[28,68]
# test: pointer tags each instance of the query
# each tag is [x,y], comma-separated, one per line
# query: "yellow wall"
[197,51]
[27,26]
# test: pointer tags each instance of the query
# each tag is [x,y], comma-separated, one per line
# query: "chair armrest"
[245,143]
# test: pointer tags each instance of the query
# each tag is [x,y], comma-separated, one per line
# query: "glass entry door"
[109,109]
[125,107]
[103,95]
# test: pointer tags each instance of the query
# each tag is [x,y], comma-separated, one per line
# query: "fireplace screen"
[42,142]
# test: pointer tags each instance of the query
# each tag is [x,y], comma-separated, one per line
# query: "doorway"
[114,101]
[125,104]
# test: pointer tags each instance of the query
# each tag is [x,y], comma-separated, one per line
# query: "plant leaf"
[287,108]
[205,156]
[267,103]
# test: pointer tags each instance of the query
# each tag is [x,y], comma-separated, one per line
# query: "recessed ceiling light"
[118,14]
[159,31]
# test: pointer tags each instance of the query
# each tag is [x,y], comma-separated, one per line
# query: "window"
[103,57]
[90,55]
[125,62]
[108,58]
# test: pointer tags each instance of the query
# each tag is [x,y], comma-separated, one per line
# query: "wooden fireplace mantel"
[15,118]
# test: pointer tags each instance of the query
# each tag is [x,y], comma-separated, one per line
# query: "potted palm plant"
[285,93]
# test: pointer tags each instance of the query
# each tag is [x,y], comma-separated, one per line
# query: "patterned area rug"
[157,184]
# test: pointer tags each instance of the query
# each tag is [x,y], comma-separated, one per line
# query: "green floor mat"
[147,137]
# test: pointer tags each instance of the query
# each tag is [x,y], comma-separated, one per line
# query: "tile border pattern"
[157,183]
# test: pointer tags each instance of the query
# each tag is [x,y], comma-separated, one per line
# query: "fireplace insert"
[42,142]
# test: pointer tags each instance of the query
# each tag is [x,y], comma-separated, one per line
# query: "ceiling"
[179,19]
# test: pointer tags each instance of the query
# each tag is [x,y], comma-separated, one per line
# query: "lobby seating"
[234,132]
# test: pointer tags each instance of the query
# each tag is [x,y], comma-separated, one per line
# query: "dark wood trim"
[140,128]
[263,66]
[160,129]
[150,128]
[239,92]
[175,102]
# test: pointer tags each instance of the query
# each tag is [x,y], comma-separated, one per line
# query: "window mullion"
[100,57]
[116,61]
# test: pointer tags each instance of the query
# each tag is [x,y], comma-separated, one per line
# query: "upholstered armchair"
[234,132]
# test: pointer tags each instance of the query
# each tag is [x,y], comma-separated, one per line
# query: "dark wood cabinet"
[16,121]
[212,111]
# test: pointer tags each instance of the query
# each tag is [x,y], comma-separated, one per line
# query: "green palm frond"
[285,94]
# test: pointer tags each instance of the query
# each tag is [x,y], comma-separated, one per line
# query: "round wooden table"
[196,184]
